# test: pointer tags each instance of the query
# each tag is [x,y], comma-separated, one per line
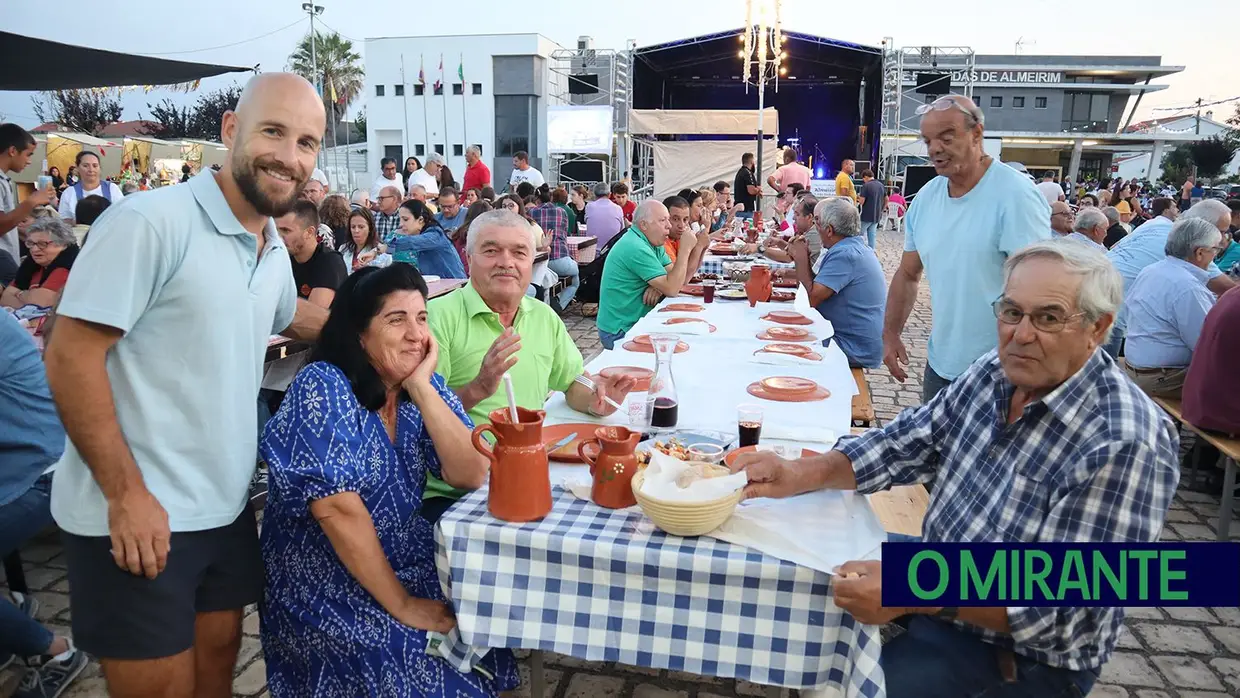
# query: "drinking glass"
[749,424]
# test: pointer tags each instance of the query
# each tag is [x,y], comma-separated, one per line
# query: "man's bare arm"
[78,377]
[307,322]
[322,297]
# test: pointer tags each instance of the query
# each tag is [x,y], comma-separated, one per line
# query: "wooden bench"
[900,509]
[1229,450]
[862,405]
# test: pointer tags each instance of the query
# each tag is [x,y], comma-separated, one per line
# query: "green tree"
[339,71]
[1176,165]
[203,120]
[359,126]
[82,111]
[1212,155]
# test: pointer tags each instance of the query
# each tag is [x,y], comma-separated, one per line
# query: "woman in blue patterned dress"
[351,587]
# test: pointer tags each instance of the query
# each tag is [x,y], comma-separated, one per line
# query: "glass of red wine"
[749,424]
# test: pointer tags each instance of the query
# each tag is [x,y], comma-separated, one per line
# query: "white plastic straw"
[512,399]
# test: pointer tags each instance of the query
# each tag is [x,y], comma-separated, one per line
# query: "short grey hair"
[57,228]
[601,190]
[130,187]
[1212,210]
[1090,218]
[394,190]
[1102,288]
[646,210]
[474,149]
[435,159]
[359,196]
[1189,235]
[417,187]
[498,218]
[1111,213]
[840,213]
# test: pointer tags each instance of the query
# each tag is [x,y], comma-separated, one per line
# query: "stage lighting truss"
[614,70]
[900,135]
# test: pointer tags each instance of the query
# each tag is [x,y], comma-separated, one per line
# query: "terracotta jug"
[613,465]
[520,480]
[758,287]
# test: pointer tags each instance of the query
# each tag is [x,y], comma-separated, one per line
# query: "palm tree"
[339,69]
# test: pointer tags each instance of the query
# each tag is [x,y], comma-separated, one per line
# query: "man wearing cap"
[428,176]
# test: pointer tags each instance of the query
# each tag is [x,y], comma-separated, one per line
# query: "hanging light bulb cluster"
[763,43]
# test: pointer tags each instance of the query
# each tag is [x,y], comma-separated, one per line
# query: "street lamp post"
[314,11]
[763,54]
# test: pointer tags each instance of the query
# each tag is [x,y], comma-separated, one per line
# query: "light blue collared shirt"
[1167,305]
[177,274]
[1139,249]
[1081,238]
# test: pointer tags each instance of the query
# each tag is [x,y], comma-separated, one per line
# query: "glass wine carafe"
[663,386]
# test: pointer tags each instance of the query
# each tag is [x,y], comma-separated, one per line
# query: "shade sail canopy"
[51,65]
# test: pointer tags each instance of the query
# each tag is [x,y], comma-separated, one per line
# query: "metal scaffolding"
[900,135]
[614,72]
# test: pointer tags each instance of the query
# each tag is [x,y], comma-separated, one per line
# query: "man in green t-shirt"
[490,327]
[638,272]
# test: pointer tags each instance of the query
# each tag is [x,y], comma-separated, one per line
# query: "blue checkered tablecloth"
[713,264]
[603,585]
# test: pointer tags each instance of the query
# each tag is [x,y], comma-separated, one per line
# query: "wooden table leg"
[537,679]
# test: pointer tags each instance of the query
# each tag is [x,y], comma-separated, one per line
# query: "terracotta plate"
[788,385]
[788,332]
[734,453]
[681,308]
[782,296]
[767,336]
[755,389]
[568,452]
[784,283]
[683,320]
[692,289]
[681,347]
[787,317]
[786,349]
[641,375]
[808,355]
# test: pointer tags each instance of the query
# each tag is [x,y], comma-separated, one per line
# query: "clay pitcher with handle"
[520,480]
[758,287]
[612,458]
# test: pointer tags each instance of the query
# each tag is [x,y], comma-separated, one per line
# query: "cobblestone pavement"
[1163,653]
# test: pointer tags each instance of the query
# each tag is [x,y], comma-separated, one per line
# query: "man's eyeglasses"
[385,196]
[1045,320]
[1062,213]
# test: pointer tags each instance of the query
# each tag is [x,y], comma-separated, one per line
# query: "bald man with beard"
[155,364]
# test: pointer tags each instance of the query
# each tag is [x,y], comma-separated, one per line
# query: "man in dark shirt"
[1115,231]
[745,187]
[318,270]
[873,201]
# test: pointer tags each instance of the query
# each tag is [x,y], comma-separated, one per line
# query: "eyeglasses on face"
[1046,320]
[40,245]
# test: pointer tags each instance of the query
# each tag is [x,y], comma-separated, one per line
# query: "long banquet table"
[606,585]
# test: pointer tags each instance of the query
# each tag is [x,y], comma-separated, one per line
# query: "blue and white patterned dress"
[323,634]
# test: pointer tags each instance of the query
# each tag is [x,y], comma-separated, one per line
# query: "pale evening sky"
[1199,37]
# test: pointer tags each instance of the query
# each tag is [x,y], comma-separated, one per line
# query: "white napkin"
[581,488]
[695,328]
[663,470]
[815,435]
[773,359]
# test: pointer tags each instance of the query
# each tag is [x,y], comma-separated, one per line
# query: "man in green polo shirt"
[490,327]
[638,271]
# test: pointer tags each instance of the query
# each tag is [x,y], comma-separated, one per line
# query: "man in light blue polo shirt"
[1147,245]
[154,365]
[849,288]
[959,229]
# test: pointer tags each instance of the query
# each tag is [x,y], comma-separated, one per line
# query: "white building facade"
[1144,166]
[500,105]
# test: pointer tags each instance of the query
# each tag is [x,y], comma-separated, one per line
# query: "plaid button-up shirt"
[1095,460]
[555,224]
[387,225]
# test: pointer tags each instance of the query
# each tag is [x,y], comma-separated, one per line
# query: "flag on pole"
[439,80]
[421,70]
[460,71]
[332,85]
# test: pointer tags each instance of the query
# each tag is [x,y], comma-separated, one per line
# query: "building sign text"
[999,77]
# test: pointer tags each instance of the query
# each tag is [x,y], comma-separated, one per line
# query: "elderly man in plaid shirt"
[554,222]
[1043,440]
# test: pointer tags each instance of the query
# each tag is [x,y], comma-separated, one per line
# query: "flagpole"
[404,102]
[444,83]
[464,122]
[335,143]
[426,121]
[348,156]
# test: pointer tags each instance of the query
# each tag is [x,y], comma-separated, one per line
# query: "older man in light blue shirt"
[1146,245]
[960,229]
[1167,305]
[1090,228]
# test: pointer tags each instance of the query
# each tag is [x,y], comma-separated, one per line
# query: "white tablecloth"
[712,375]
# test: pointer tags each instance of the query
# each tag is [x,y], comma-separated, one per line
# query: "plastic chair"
[893,214]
